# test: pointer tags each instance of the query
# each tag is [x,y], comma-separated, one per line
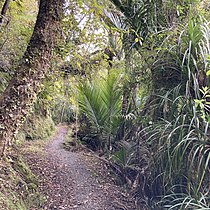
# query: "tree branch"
[4,11]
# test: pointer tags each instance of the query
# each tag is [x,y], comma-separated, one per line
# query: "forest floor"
[74,180]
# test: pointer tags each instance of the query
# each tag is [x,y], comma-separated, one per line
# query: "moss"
[39,128]
[21,136]
[18,185]
[36,127]
[25,172]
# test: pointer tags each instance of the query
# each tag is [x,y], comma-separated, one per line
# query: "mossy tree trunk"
[18,98]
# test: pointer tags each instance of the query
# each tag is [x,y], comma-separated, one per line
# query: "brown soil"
[75,180]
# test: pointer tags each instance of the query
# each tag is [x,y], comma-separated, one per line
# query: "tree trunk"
[18,98]
[4,11]
[127,86]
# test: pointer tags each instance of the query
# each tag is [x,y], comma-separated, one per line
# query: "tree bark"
[4,11]
[18,98]
[127,42]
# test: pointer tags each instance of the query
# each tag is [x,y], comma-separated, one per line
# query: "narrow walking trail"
[70,180]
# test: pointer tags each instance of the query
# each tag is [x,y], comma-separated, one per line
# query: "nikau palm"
[101,105]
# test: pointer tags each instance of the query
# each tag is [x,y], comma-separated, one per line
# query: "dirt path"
[69,181]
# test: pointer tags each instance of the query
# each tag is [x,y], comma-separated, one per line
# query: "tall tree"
[19,96]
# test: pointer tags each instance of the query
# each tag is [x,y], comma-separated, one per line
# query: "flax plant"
[180,139]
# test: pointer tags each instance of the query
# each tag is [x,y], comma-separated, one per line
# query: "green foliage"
[194,47]
[124,156]
[180,147]
[185,201]
[91,104]
[58,99]
[101,105]
[176,141]
[36,127]
[4,78]
[82,48]
[15,34]
[203,104]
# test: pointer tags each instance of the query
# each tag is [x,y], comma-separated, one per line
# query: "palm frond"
[91,104]
[102,105]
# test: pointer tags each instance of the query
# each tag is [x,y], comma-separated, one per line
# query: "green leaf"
[208,73]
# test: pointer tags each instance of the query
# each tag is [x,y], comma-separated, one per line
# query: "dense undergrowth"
[161,149]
